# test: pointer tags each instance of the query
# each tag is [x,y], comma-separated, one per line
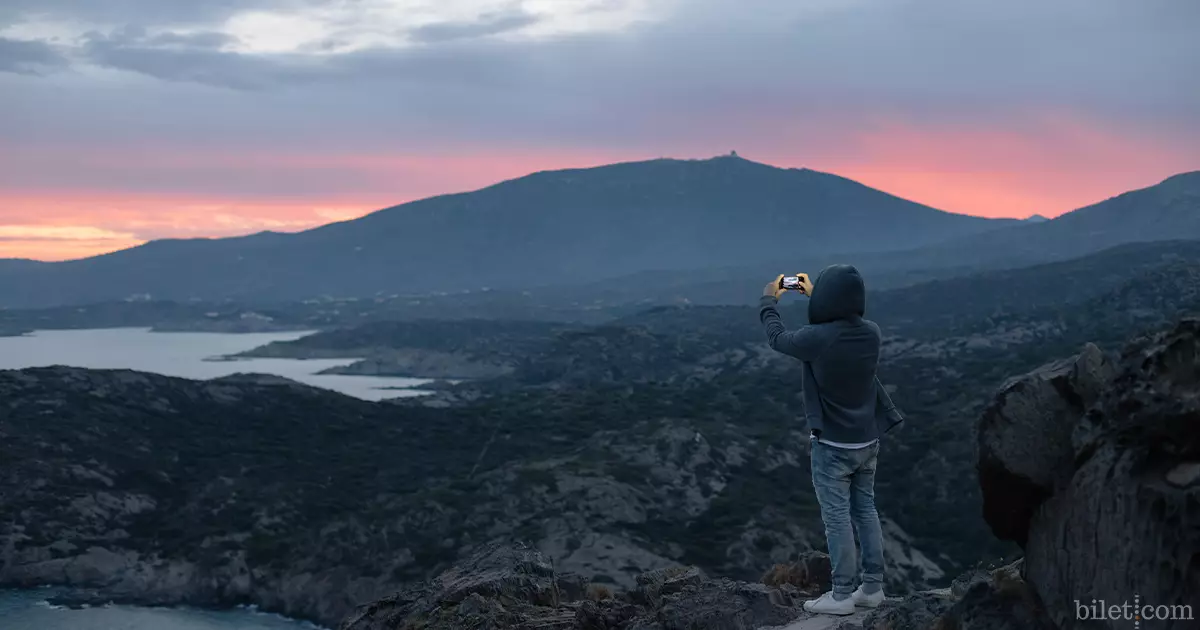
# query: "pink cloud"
[1050,165]
[88,202]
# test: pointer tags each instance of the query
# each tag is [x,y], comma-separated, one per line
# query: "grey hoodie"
[843,400]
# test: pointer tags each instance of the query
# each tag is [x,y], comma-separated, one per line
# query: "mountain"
[549,228]
[1168,211]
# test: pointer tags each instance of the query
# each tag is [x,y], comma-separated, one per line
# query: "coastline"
[415,363]
[322,600]
[62,597]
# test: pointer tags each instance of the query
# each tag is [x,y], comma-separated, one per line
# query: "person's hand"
[774,288]
[806,285]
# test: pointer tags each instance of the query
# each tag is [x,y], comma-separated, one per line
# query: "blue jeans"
[845,483]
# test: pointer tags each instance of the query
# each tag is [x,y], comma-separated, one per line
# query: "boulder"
[498,586]
[654,585]
[605,615]
[918,611]
[725,605]
[811,573]
[1091,467]
[1025,437]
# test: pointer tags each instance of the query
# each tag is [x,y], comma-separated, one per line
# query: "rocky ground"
[512,586]
[1091,465]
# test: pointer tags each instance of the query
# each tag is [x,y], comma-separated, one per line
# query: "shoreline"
[215,356]
[75,598]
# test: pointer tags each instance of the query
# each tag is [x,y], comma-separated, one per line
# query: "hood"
[838,293]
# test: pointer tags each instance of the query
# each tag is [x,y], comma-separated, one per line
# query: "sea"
[28,610]
[189,355]
[186,355]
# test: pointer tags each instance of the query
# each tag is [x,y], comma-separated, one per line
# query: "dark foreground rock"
[1094,468]
[504,586]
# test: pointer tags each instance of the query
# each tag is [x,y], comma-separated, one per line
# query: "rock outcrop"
[514,586]
[507,586]
[1093,467]
[1025,437]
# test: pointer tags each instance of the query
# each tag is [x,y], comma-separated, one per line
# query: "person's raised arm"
[805,343]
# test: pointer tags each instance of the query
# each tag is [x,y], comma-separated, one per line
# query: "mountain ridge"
[571,226]
[560,226]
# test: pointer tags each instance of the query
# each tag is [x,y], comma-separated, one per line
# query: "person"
[847,410]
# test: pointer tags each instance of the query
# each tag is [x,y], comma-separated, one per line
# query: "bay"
[184,355]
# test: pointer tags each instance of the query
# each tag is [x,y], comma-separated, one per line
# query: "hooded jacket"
[843,400]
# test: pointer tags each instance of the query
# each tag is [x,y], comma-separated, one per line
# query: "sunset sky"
[128,120]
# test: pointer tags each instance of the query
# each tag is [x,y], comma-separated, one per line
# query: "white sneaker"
[867,600]
[827,605]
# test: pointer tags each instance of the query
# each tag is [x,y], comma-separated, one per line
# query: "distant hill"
[1119,280]
[19,264]
[1169,211]
[939,308]
[557,227]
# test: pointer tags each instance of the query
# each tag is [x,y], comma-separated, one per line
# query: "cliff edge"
[1092,465]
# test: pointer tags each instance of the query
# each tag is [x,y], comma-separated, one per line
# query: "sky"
[123,121]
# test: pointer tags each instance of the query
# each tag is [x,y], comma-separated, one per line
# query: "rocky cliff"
[1093,466]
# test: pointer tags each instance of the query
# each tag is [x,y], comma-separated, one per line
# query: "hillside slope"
[1168,211]
[557,227]
[165,491]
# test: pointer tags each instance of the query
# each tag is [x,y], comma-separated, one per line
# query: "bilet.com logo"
[1139,614]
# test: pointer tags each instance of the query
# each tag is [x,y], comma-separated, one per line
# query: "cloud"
[926,57]
[59,233]
[194,57]
[29,57]
[710,72]
[133,11]
[484,25]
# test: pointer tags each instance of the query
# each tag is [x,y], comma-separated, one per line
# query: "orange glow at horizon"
[1065,165]
[975,171]
[82,225]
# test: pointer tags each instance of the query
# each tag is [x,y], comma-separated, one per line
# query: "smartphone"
[792,283]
